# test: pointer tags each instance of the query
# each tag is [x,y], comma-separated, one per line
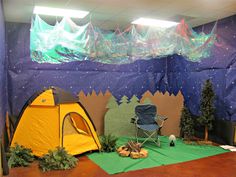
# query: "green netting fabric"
[67,42]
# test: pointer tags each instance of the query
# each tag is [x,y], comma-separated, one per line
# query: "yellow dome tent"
[54,118]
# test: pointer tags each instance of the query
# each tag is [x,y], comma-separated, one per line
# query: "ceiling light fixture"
[60,12]
[154,22]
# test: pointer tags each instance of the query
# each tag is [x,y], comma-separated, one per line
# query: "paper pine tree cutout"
[117,119]
[134,100]
[124,100]
[112,103]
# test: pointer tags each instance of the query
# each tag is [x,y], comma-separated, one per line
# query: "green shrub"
[58,159]
[108,143]
[186,123]
[19,156]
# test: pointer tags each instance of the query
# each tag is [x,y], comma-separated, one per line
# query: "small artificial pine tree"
[207,107]
[186,123]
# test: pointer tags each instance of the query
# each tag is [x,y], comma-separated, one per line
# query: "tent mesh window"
[73,124]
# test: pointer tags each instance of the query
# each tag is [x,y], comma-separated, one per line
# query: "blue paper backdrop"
[3,99]
[171,74]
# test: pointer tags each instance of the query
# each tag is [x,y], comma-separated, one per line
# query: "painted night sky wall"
[3,99]
[172,73]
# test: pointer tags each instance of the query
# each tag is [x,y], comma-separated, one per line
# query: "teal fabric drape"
[67,42]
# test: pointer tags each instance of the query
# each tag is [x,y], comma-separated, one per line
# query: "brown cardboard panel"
[170,106]
[96,107]
[167,105]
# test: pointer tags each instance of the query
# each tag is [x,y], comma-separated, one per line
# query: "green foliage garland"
[19,156]
[58,159]
[108,143]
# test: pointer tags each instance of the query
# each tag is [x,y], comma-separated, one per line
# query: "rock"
[121,148]
[124,153]
[143,153]
[135,155]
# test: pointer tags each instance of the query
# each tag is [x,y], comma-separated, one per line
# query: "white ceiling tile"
[147,4]
[22,13]
[100,16]
[223,14]
[230,8]
[172,9]
[199,12]
[82,5]
[215,4]
[116,12]
[51,3]
[109,9]
[200,21]
[72,4]
[23,2]
[122,17]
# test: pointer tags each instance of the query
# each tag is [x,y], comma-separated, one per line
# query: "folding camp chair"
[146,120]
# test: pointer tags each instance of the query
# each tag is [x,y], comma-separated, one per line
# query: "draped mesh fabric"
[66,42]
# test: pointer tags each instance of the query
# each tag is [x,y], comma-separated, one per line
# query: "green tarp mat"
[113,163]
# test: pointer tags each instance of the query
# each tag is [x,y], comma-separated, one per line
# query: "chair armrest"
[134,120]
[162,119]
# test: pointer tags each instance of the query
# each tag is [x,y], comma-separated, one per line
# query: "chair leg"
[136,134]
[158,140]
[150,136]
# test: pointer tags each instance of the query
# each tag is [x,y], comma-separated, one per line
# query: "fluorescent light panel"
[60,12]
[154,22]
